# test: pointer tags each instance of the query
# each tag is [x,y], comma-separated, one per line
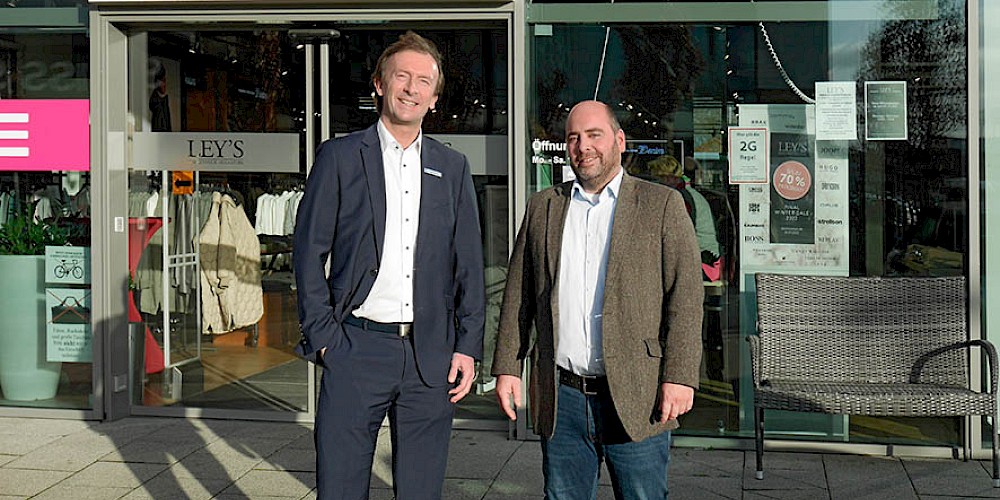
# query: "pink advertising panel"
[44,134]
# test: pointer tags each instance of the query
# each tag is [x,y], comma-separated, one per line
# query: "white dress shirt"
[391,297]
[583,264]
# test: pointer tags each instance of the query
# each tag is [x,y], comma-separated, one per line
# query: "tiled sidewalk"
[161,458]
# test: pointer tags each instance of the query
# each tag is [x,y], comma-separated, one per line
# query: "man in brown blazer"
[606,269]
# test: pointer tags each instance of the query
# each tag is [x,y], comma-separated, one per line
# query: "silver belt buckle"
[404,330]
[583,386]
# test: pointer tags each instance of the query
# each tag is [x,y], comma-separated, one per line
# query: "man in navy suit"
[397,320]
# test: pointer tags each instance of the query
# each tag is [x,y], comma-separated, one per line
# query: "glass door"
[218,131]
[226,124]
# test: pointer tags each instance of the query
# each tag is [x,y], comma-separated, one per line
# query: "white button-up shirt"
[583,265]
[391,297]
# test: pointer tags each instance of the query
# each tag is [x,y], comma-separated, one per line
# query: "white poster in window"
[67,326]
[67,265]
[798,220]
[836,111]
[747,155]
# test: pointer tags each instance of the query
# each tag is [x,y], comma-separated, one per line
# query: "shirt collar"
[387,141]
[611,190]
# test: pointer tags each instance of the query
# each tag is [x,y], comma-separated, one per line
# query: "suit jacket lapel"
[626,215]
[371,157]
[430,187]
[557,208]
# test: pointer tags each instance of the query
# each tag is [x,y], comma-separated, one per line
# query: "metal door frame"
[112,129]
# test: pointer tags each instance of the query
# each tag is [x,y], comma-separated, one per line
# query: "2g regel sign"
[748,161]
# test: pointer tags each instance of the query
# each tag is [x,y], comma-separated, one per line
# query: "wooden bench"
[866,346]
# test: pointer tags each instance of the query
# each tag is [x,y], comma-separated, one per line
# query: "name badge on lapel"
[433,172]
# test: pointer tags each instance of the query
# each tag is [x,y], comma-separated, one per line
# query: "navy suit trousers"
[367,375]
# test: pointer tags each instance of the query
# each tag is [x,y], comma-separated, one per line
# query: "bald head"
[594,144]
[591,106]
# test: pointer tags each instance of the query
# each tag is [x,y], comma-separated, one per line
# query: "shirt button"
[373,272]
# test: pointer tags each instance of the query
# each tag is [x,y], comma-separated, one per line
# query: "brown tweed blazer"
[652,303]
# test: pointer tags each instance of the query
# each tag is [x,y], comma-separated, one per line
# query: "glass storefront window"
[892,201]
[46,337]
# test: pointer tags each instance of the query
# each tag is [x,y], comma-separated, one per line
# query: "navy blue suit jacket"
[342,215]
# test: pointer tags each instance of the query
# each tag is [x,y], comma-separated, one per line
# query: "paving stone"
[704,487]
[856,477]
[162,452]
[273,483]
[122,432]
[465,489]
[114,474]
[706,463]
[21,444]
[168,487]
[26,483]
[796,494]
[71,455]
[63,492]
[467,459]
[42,426]
[260,447]
[523,473]
[241,496]
[500,496]
[219,463]
[291,459]
[240,429]
[304,442]
[382,462]
[950,477]
[786,471]
[377,494]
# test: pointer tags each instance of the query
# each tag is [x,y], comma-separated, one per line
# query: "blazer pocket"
[653,348]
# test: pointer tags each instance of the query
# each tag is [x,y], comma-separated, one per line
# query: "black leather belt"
[402,330]
[589,385]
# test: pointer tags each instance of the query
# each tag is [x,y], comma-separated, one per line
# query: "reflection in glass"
[677,87]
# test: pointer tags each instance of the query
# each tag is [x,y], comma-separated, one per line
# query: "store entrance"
[227,122]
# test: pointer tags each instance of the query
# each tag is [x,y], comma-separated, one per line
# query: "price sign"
[748,151]
[792,180]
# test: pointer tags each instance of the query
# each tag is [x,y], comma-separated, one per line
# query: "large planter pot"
[25,375]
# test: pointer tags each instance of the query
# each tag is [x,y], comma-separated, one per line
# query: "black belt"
[402,330]
[589,385]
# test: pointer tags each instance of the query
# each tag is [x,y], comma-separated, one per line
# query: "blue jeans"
[588,431]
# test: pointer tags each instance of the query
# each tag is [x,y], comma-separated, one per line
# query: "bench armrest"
[991,355]
[754,342]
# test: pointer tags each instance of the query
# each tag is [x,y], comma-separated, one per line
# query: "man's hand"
[675,400]
[509,386]
[466,365]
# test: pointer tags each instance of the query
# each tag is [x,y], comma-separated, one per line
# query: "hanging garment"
[231,292]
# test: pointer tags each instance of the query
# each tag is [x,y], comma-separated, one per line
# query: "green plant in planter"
[22,235]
